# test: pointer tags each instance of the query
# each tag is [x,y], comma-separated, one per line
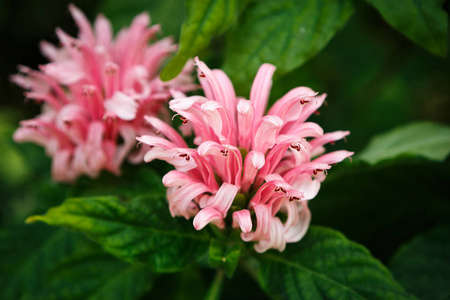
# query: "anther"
[280,189]
[320,170]
[297,146]
[304,101]
[202,75]
[294,199]
[186,156]
[224,152]
[183,120]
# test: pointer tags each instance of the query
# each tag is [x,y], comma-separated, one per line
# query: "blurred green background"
[376,79]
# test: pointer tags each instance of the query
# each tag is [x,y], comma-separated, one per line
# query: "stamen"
[304,101]
[294,199]
[185,155]
[308,99]
[183,120]
[280,189]
[320,170]
[298,146]
[224,152]
[202,75]
[68,123]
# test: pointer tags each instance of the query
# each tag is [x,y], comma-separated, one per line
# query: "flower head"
[95,92]
[249,166]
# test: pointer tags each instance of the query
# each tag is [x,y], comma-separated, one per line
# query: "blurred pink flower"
[248,166]
[95,93]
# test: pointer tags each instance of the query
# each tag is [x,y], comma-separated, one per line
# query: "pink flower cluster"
[95,93]
[250,170]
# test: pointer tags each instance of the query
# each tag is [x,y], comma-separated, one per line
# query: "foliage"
[423,264]
[325,265]
[392,199]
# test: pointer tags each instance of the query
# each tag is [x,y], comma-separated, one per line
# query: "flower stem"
[216,286]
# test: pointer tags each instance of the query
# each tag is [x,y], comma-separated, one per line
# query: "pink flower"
[248,166]
[95,93]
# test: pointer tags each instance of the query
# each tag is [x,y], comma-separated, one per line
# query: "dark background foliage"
[376,80]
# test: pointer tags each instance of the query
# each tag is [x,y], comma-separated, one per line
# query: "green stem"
[216,286]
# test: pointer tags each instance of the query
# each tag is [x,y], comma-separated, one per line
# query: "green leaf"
[40,262]
[206,19]
[93,274]
[422,21]
[168,13]
[226,256]
[423,264]
[28,252]
[326,265]
[140,230]
[423,139]
[384,206]
[284,33]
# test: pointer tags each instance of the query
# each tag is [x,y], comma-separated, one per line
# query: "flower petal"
[206,216]
[259,94]
[243,220]
[122,105]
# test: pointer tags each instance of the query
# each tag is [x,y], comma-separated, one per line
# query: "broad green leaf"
[326,265]
[40,262]
[382,207]
[423,139]
[284,33]
[28,252]
[422,21]
[93,274]
[205,19]
[422,266]
[140,230]
[168,13]
[226,256]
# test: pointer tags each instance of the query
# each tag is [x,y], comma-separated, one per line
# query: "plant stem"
[216,286]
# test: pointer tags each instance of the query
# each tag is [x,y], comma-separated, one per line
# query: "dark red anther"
[304,101]
[183,120]
[294,199]
[296,146]
[224,152]
[280,189]
[320,170]
[186,157]
[317,113]
[202,75]
[332,143]
[68,123]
